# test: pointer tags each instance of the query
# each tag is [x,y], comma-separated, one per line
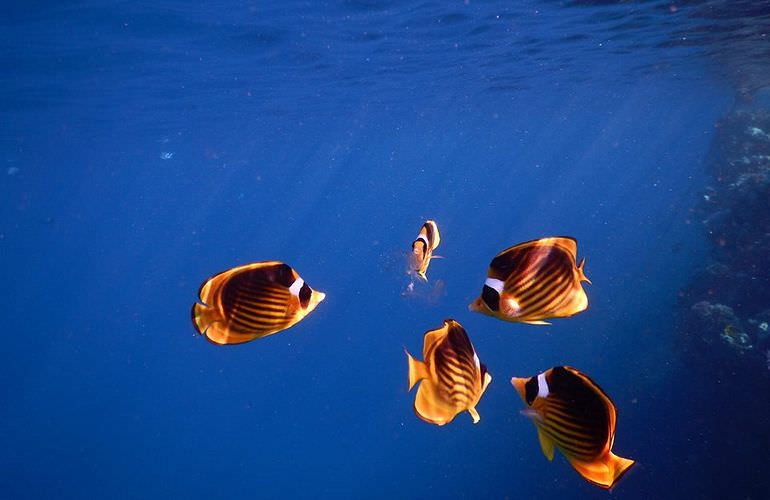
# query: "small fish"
[252,301]
[422,249]
[534,281]
[573,414]
[453,379]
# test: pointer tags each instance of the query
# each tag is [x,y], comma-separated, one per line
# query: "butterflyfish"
[422,249]
[573,414]
[534,281]
[252,301]
[453,379]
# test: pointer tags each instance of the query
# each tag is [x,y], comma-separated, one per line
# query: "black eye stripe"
[491,298]
[531,389]
[304,295]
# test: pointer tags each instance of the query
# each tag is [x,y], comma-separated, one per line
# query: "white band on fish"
[495,283]
[542,386]
[296,287]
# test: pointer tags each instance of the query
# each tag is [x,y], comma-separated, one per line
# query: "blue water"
[149,145]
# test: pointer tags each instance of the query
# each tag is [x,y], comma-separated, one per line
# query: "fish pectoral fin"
[417,370]
[533,414]
[538,322]
[546,444]
[474,414]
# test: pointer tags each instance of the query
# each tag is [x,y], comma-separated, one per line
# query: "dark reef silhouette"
[725,313]
[723,338]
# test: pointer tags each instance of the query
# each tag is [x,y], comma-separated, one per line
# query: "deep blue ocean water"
[149,145]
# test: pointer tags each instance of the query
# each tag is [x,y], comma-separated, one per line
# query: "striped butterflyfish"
[453,379]
[252,301]
[534,281]
[422,249]
[573,414]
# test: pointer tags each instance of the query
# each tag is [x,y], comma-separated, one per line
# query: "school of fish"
[530,283]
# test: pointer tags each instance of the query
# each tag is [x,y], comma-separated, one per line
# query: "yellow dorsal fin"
[567,243]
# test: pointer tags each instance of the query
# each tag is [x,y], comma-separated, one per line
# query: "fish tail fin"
[581,272]
[619,466]
[604,471]
[417,370]
[208,322]
[475,415]
[202,317]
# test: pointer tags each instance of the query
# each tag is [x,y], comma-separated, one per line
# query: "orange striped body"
[573,414]
[252,301]
[534,281]
[453,379]
[422,249]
